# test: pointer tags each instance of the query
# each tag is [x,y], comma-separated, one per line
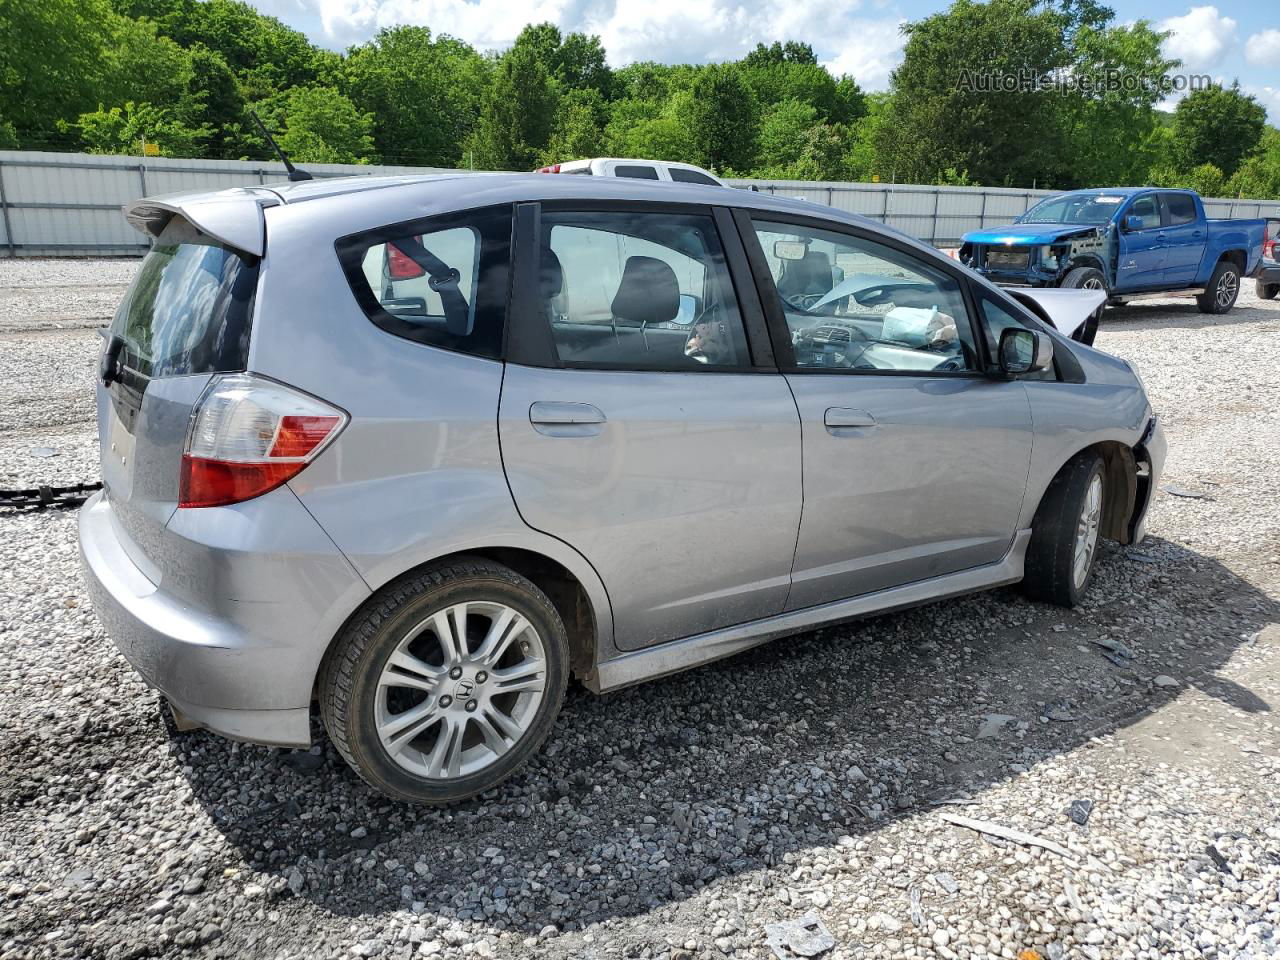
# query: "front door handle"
[558,419]
[845,418]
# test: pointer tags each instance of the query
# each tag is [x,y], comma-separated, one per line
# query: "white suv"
[636,170]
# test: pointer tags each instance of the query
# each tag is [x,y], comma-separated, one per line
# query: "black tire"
[348,688]
[1087,278]
[1049,573]
[1223,289]
[1266,291]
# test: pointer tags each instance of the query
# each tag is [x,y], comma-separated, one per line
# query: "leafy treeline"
[109,75]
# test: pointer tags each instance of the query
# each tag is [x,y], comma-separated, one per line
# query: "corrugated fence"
[58,204]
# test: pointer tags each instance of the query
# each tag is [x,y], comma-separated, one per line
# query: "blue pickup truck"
[1128,242]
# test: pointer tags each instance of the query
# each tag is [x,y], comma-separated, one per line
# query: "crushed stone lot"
[819,774]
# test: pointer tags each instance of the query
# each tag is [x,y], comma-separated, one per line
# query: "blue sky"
[1228,39]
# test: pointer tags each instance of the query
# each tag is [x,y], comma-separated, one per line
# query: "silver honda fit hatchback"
[411,451]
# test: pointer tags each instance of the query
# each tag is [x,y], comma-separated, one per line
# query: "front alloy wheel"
[446,682]
[1063,550]
[1087,532]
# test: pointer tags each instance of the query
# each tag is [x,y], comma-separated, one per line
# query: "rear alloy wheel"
[447,683]
[1065,532]
[1266,291]
[1224,286]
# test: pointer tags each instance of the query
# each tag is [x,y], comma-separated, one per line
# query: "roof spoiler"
[232,217]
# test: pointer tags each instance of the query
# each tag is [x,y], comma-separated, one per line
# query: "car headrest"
[550,274]
[809,275]
[648,292]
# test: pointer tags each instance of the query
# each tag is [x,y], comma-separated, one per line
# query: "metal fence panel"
[59,204]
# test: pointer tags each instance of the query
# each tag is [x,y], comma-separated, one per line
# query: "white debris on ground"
[678,819]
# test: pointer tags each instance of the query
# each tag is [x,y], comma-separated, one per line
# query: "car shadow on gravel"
[645,796]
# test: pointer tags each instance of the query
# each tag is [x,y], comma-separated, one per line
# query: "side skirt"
[703,648]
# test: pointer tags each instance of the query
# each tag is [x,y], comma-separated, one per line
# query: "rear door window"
[636,171]
[680,175]
[440,281]
[189,308]
[1180,207]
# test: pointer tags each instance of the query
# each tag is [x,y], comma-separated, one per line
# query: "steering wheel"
[823,353]
[805,301]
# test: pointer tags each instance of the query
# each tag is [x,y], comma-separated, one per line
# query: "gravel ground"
[676,819]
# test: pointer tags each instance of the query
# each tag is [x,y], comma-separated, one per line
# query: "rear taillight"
[553,168]
[249,435]
[401,266]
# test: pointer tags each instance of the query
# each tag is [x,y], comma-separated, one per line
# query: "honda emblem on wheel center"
[464,689]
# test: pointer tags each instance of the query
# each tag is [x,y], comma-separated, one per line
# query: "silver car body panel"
[229,610]
[685,497]
[931,484]
[668,658]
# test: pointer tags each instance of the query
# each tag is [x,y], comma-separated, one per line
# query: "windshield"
[188,310]
[1088,209]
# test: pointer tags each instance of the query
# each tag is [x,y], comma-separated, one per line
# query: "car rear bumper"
[1268,273]
[237,658]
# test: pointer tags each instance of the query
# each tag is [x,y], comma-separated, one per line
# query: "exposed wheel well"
[1234,256]
[1092,262]
[1120,487]
[566,594]
[562,588]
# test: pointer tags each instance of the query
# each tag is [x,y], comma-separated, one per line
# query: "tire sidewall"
[368,753]
[1226,266]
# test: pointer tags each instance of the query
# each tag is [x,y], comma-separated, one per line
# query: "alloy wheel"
[1227,288]
[1087,531]
[460,690]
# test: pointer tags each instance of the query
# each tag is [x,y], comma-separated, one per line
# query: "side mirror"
[690,307]
[1133,222]
[1024,351]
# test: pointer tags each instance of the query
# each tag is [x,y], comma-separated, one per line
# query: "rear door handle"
[558,419]
[845,418]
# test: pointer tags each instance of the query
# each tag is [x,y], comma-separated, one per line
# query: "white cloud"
[669,31]
[1269,97]
[1201,36]
[1263,49]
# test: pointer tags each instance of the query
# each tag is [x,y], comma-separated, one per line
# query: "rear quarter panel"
[1222,236]
[417,473]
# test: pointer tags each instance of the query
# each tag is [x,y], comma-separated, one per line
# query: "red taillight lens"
[248,436]
[553,168]
[400,266]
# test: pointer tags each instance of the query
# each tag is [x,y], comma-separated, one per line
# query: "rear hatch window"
[189,308]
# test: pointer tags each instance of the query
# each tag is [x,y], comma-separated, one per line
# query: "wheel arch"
[1090,260]
[1120,486]
[1236,256]
[569,582]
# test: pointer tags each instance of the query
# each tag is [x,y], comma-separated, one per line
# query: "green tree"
[1259,176]
[941,116]
[123,130]
[54,61]
[1217,125]
[320,125]
[721,115]
[575,61]
[1108,131]
[8,136]
[423,92]
[215,97]
[516,114]
[578,129]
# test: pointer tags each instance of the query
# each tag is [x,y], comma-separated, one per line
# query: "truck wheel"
[1266,291]
[447,681]
[1064,534]
[1087,278]
[1224,286]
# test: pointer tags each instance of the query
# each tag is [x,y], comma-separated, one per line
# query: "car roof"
[357,203]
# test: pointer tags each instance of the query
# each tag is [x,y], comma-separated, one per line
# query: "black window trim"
[350,250]
[530,340]
[780,332]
